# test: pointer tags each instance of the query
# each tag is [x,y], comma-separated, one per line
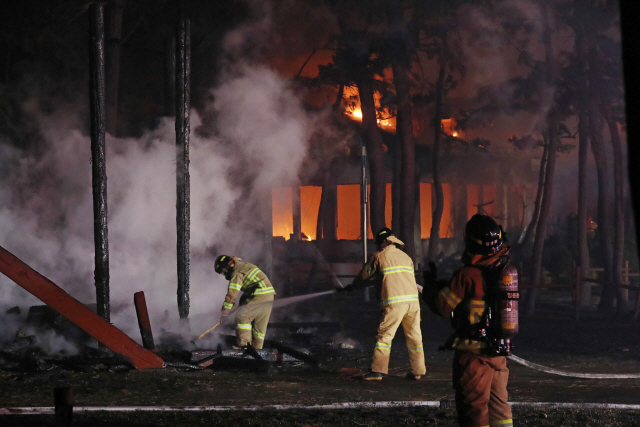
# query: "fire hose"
[563,373]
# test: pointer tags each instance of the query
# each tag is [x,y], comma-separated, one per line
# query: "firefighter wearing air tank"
[256,301]
[481,300]
[392,269]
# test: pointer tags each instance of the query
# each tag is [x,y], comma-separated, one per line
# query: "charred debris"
[298,345]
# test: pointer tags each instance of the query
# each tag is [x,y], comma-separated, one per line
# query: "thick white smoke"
[46,214]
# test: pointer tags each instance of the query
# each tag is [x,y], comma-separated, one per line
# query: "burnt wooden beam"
[98,160]
[79,314]
[291,352]
[183,83]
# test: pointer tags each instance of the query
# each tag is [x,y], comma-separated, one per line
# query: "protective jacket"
[391,270]
[464,297]
[480,382]
[249,279]
[255,305]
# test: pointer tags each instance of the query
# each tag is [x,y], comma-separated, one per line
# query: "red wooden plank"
[55,297]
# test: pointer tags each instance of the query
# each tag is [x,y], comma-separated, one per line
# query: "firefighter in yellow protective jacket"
[256,301]
[479,376]
[392,269]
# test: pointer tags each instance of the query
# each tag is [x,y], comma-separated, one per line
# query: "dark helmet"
[382,235]
[482,235]
[221,263]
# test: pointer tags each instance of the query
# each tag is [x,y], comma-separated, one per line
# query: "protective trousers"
[480,384]
[252,320]
[407,314]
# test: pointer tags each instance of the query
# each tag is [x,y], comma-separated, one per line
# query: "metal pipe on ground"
[331,406]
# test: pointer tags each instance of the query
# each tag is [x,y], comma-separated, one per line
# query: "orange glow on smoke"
[309,207]
[426,211]
[282,212]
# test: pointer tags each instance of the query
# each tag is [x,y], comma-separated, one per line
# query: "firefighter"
[256,301]
[392,270]
[479,376]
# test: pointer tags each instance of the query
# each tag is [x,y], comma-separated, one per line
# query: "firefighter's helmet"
[382,235]
[482,235]
[222,262]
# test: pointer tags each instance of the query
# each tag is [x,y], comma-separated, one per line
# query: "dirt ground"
[595,343]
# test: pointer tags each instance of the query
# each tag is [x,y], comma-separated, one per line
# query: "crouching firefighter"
[256,301]
[391,270]
[481,299]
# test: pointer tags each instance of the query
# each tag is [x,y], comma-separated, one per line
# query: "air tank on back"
[507,307]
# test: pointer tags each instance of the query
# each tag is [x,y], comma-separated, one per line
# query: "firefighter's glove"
[224,317]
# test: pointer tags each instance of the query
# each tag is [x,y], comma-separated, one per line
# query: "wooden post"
[143,320]
[63,406]
[98,163]
[183,87]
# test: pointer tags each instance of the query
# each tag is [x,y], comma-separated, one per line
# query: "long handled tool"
[206,332]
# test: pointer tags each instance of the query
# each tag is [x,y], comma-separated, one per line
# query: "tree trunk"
[533,224]
[607,298]
[554,141]
[322,224]
[98,160]
[113,30]
[398,47]
[183,104]
[396,185]
[631,31]
[622,295]
[373,142]
[434,236]
[583,147]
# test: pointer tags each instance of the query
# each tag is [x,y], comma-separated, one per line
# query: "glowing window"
[426,212]
[348,212]
[309,207]
[282,212]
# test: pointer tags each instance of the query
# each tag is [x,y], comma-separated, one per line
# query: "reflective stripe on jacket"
[251,281]
[394,270]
